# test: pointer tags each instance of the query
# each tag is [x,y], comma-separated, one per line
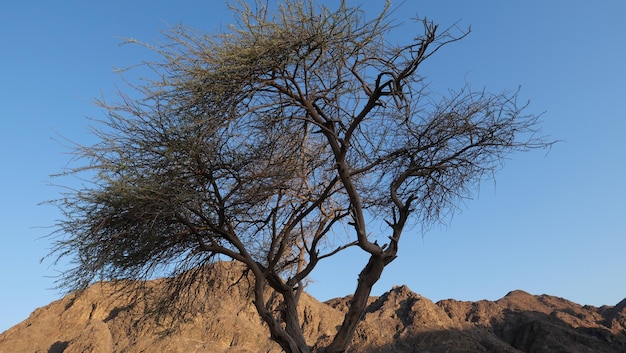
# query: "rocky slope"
[103,319]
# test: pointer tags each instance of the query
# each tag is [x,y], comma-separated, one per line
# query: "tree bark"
[367,278]
[292,322]
[290,338]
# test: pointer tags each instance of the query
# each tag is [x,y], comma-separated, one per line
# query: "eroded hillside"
[222,319]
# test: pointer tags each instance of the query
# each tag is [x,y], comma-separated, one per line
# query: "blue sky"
[551,223]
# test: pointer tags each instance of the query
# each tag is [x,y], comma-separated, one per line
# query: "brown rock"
[222,319]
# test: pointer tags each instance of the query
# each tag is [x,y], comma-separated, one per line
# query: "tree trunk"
[290,338]
[292,322]
[367,278]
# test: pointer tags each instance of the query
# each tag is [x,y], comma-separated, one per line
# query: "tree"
[277,144]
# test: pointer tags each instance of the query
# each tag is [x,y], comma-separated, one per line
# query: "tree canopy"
[277,143]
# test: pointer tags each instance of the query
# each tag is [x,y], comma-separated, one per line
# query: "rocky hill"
[103,319]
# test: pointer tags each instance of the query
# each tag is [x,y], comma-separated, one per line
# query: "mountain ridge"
[104,318]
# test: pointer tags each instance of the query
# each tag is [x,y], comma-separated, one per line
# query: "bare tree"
[277,143]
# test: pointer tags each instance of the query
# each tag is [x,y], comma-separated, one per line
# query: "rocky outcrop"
[537,324]
[107,317]
[104,318]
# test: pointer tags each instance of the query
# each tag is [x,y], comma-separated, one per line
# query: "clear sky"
[552,223]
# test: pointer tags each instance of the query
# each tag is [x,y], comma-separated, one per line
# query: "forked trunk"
[290,336]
